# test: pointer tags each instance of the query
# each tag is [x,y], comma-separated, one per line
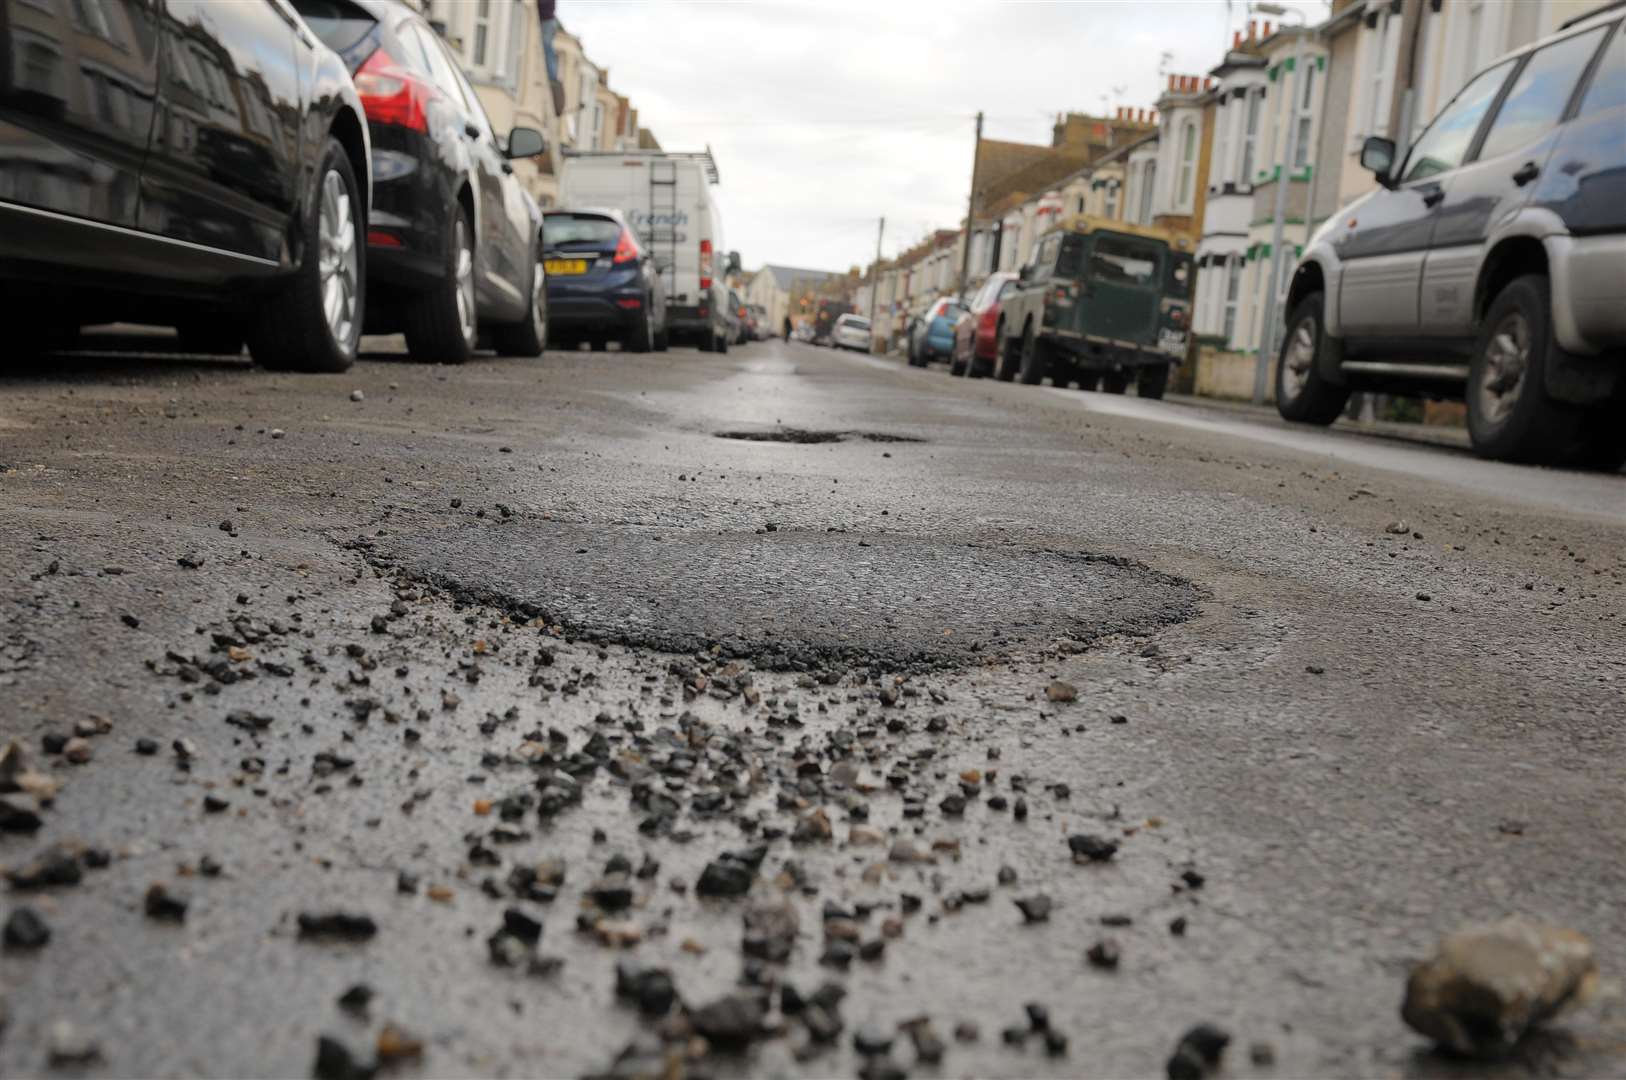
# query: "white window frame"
[1303,153]
[1380,90]
[1253,102]
[1148,181]
[1188,149]
[1230,298]
[1218,165]
[480,37]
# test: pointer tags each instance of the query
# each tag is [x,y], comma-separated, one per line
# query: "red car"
[976,334]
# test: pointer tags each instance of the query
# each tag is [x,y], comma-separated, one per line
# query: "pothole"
[795,600]
[802,435]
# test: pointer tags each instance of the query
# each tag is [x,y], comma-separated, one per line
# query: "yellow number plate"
[565,266]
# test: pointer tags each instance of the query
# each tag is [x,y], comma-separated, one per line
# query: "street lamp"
[1284,177]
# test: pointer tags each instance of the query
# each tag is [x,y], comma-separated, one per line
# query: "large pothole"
[803,435]
[795,599]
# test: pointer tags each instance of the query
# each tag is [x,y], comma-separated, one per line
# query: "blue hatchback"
[602,285]
[933,337]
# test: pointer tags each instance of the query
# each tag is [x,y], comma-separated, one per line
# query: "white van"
[667,200]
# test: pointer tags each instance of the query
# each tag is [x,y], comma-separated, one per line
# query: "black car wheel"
[440,324]
[663,340]
[313,323]
[1035,357]
[640,336]
[1151,382]
[1089,381]
[1009,357]
[1302,394]
[1510,416]
[527,338]
[1115,382]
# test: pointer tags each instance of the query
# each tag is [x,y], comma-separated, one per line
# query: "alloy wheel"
[336,258]
[1507,359]
[1298,358]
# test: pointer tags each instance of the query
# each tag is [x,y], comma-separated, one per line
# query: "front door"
[1499,180]
[77,83]
[1384,240]
[225,164]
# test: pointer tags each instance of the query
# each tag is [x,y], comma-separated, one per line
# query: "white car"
[851,332]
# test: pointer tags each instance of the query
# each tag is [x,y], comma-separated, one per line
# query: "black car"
[453,246]
[184,163]
[602,285]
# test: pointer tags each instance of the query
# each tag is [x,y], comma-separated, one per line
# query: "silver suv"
[1490,264]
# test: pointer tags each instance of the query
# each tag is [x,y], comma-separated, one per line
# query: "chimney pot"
[1253,29]
[1267,27]
[1171,81]
[1236,39]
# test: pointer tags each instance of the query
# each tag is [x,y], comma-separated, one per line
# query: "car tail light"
[390,94]
[1177,316]
[631,303]
[625,249]
[381,238]
[705,264]
[742,313]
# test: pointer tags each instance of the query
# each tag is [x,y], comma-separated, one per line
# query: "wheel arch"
[1308,278]
[1511,258]
[351,134]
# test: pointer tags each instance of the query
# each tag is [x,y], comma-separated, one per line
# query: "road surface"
[539,642]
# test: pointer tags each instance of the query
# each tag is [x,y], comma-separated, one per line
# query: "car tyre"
[1603,441]
[640,336]
[957,366]
[313,323]
[1009,357]
[441,325]
[1035,360]
[722,343]
[527,338]
[1115,382]
[1088,380]
[1303,394]
[662,340]
[1510,416]
[1151,382]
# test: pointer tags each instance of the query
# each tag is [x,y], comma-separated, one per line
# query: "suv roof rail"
[1613,5]
[702,156]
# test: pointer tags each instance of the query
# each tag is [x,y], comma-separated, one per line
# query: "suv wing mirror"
[524,142]
[1378,156]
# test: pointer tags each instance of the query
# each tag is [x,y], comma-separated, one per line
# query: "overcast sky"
[825,116]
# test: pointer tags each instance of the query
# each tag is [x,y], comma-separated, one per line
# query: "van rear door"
[1122,281]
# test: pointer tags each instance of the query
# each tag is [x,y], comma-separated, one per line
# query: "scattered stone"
[872,1039]
[77,750]
[67,1045]
[25,929]
[651,988]
[1262,1054]
[732,1020]
[396,1044]
[214,804]
[1089,848]
[146,747]
[523,926]
[162,904]
[1061,692]
[340,925]
[334,1061]
[1397,528]
[17,814]
[1034,909]
[1177,926]
[813,828]
[357,998]
[1103,954]
[357,395]
[1488,984]
[56,865]
[1198,1050]
[929,1048]
[130,620]
[967,1031]
[612,892]
[770,930]
[731,873]
[1038,1015]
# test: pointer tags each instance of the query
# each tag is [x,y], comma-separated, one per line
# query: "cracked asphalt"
[525,643]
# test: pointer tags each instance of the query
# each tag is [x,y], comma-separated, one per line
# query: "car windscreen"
[1070,261]
[338,23]
[856,324]
[1125,259]
[586,229]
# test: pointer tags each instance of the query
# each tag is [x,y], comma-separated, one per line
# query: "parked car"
[129,190]
[602,285]
[851,332]
[933,337]
[667,199]
[1102,302]
[1490,263]
[976,331]
[824,319]
[759,322]
[454,242]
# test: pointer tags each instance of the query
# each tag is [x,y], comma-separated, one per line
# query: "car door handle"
[1433,195]
[1527,172]
[470,130]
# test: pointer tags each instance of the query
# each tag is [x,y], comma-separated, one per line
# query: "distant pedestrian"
[550,27]
[787,328]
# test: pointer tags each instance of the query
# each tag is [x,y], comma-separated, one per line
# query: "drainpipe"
[1284,179]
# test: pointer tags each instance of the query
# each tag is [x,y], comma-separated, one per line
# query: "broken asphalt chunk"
[336,925]
[1087,847]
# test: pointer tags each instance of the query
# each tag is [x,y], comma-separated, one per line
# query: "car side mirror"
[1023,273]
[1378,156]
[524,142]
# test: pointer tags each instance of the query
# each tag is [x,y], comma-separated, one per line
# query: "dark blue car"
[933,338]
[602,285]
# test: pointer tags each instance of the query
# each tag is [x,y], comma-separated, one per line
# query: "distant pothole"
[802,435]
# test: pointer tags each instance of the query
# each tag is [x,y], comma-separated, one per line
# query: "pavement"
[777,678]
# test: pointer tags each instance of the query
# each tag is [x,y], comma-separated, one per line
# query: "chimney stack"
[1236,39]
[1267,27]
[1253,29]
